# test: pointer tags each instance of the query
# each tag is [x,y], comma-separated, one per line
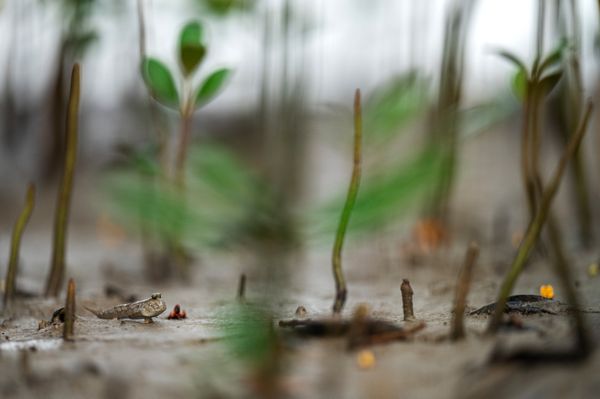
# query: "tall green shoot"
[63,203]
[446,125]
[15,245]
[336,260]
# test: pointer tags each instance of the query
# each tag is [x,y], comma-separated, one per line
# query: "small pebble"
[301,311]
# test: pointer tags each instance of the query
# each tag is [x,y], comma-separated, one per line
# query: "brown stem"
[242,288]
[68,327]
[536,178]
[407,300]
[525,153]
[462,289]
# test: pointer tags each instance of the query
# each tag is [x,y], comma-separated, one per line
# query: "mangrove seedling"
[63,203]
[446,124]
[533,232]
[159,81]
[68,326]
[462,289]
[15,244]
[336,260]
[531,87]
[407,300]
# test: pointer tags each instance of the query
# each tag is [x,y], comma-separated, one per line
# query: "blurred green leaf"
[549,82]
[393,105]
[480,118]
[191,33]
[191,49]
[248,333]
[144,161]
[513,59]
[224,7]
[211,86]
[554,57]
[160,82]
[191,56]
[519,84]
[220,196]
[382,199]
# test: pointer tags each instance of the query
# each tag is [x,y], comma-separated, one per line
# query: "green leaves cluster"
[191,53]
[221,195]
[544,75]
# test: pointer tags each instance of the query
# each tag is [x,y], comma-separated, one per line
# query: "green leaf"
[519,84]
[549,82]
[554,57]
[191,49]
[513,59]
[482,117]
[211,86]
[160,82]
[191,33]
[190,56]
[393,105]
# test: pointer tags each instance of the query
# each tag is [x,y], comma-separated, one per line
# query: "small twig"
[535,227]
[68,327]
[57,270]
[242,288]
[407,300]
[462,289]
[340,284]
[13,263]
[388,336]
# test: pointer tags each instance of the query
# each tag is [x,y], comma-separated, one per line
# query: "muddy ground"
[192,358]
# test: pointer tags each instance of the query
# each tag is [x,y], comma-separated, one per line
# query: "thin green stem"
[13,263]
[184,142]
[57,270]
[536,178]
[340,284]
[535,227]
[186,113]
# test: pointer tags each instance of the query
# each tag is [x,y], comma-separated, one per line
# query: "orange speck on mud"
[365,359]
[429,234]
[547,291]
